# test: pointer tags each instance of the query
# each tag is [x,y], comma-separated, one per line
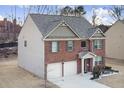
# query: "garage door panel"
[70,68]
[54,70]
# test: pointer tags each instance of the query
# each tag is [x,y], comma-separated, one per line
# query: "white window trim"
[98,59]
[54,46]
[86,43]
[98,43]
[72,45]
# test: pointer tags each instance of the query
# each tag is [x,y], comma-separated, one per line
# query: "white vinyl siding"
[98,44]
[55,46]
[70,45]
[31,58]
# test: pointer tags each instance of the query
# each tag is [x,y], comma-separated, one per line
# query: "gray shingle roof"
[47,23]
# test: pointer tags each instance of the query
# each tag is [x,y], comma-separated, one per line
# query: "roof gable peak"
[62,23]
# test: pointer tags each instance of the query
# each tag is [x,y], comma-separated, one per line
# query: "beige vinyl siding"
[62,32]
[115,41]
[97,35]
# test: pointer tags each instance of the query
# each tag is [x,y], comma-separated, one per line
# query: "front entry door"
[87,65]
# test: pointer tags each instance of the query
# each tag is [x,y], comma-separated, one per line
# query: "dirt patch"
[11,76]
[114,81]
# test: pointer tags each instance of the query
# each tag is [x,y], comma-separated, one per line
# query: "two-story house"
[59,46]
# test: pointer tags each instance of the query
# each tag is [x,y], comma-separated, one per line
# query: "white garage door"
[54,70]
[70,68]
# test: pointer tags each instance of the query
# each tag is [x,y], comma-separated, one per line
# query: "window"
[98,59]
[25,43]
[98,44]
[55,46]
[70,45]
[83,44]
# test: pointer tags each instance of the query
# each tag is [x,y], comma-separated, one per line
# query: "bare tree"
[94,17]
[98,19]
[116,12]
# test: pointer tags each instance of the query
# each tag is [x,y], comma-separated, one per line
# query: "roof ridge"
[56,15]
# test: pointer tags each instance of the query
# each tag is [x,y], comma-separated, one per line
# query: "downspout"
[45,75]
[62,69]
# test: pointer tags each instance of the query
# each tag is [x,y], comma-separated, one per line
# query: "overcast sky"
[101,11]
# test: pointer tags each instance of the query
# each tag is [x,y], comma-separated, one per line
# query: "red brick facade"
[98,52]
[62,54]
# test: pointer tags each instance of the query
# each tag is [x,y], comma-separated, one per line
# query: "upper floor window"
[55,46]
[70,45]
[83,44]
[98,44]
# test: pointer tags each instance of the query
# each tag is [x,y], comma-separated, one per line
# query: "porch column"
[93,61]
[82,60]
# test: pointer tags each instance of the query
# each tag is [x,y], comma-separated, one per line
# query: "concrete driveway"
[78,81]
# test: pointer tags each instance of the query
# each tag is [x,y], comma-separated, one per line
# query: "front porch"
[86,63]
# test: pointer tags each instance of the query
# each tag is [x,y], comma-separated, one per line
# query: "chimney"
[14,21]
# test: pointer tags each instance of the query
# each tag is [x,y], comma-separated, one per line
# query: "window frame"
[98,44]
[85,44]
[99,59]
[68,46]
[57,46]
